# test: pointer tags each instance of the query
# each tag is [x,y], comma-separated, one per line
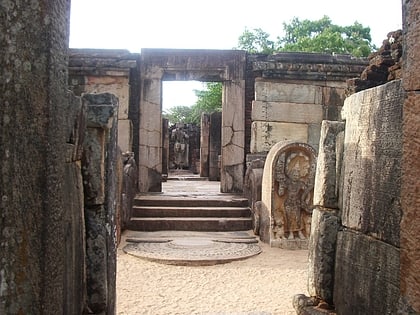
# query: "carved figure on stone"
[295,190]
[181,146]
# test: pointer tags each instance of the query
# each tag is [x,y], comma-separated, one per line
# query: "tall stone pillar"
[233,136]
[410,200]
[215,146]
[204,145]
[150,134]
[35,224]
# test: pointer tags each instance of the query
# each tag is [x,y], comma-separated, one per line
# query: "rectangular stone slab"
[286,112]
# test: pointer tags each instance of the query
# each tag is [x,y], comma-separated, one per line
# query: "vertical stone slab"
[150,134]
[215,146]
[410,197]
[372,159]
[204,145]
[287,192]
[326,189]
[101,188]
[32,157]
[165,147]
[325,219]
[233,136]
[367,277]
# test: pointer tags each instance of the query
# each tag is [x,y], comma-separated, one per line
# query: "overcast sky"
[214,24]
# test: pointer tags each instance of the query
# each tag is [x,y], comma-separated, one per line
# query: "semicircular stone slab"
[194,251]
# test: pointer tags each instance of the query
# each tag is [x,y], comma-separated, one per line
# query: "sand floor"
[261,285]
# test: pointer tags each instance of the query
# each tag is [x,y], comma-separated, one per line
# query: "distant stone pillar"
[410,238]
[215,146]
[287,191]
[100,181]
[39,259]
[165,147]
[204,145]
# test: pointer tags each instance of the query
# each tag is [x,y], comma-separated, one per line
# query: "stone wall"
[354,260]
[111,71]
[294,92]
[410,197]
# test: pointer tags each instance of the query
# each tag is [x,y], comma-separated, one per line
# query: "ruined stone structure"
[111,71]
[365,258]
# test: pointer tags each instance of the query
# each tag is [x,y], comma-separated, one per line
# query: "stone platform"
[191,248]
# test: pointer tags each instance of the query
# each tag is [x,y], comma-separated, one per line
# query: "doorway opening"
[191,130]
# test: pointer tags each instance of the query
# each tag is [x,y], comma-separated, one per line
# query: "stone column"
[233,136]
[204,145]
[150,134]
[215,146]
[325,216]
[100,189]
[35,275]
[409,237]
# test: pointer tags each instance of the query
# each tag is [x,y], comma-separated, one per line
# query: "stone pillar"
[409,237]
[165,147]
[215,146]
[101,187]
[233,136]
[325,217]
[204,145]
[150,134]
[35,275]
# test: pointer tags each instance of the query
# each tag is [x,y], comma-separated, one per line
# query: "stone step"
[179,201]
[165,211]
[221,224]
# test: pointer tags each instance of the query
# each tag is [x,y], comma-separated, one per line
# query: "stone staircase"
[221,213]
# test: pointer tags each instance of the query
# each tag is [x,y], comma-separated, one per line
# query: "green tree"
[313,36]
[208,100]
[182,114]
[256,41]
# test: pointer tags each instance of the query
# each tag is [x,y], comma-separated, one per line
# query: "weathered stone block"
[286,112]
[117,85]
[411,45]
[125,135]
[314,132]
[372,161]
[265,134]
[410,201]
[367,275]
[326,190]
[322,244]
[289,93]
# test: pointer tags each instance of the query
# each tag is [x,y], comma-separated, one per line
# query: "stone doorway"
[228,67]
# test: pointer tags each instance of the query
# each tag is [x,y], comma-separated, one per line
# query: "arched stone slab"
[287,192]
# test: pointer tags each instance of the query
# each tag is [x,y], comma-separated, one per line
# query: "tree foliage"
[312,36]
[209,100]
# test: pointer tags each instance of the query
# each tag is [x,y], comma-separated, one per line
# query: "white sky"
[211,24]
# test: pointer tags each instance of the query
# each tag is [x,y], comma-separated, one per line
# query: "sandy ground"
[261,285]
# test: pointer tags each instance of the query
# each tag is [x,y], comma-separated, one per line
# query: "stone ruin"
[59,166]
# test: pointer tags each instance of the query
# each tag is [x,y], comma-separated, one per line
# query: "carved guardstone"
[287,194]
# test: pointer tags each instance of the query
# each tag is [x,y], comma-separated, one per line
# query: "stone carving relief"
[294,180]
[181,146]
[287,195]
